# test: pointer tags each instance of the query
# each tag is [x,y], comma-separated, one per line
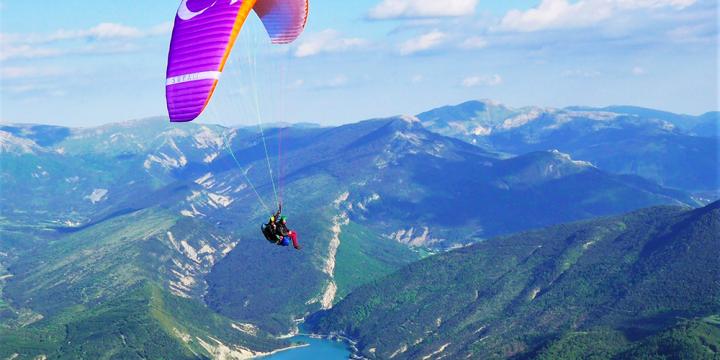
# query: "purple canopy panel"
[202,38]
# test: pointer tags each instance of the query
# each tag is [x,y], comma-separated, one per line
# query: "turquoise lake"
[319,349]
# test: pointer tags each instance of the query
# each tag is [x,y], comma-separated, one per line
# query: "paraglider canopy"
[203,36]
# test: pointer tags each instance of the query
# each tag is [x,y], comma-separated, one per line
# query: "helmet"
[283,219]
[272,219]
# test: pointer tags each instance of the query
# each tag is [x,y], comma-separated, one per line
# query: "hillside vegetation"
[643,284]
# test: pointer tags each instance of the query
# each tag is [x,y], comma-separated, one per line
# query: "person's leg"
[285,241]
[293,236]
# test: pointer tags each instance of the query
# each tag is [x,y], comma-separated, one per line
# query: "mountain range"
[166,217]
[678,151]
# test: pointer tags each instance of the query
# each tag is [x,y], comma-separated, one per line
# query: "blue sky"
[84,63]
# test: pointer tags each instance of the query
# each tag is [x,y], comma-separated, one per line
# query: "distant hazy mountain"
[148,212]
[640,285]
[702,125]
[679,151]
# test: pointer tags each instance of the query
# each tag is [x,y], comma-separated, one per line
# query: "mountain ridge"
[620,139]
[628,277]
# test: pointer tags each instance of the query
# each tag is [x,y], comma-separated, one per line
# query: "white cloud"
[638,4]
[100,31]
[394,9]
[8,52]
[697,32]
[34,89]
[327,41]
[580,73]
[416,79]
[32,45]
[558,14]
[482,80]
[638,71]
[296,84]
[555,14]
[25,72]
[160,29]
[474,42]
[335,82]
[423,42]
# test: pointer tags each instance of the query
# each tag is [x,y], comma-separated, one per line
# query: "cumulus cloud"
[395,9]
[580,73]
[25,72]
[559,14]
[161,29]
[338,81]
[100,31]
[423,42]
[636,4]
[32,45]
[327,41]
[474,42]
[697,32]
[34,89]
[482,80]
[9,51]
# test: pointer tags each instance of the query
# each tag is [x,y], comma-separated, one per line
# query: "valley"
[153,228]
